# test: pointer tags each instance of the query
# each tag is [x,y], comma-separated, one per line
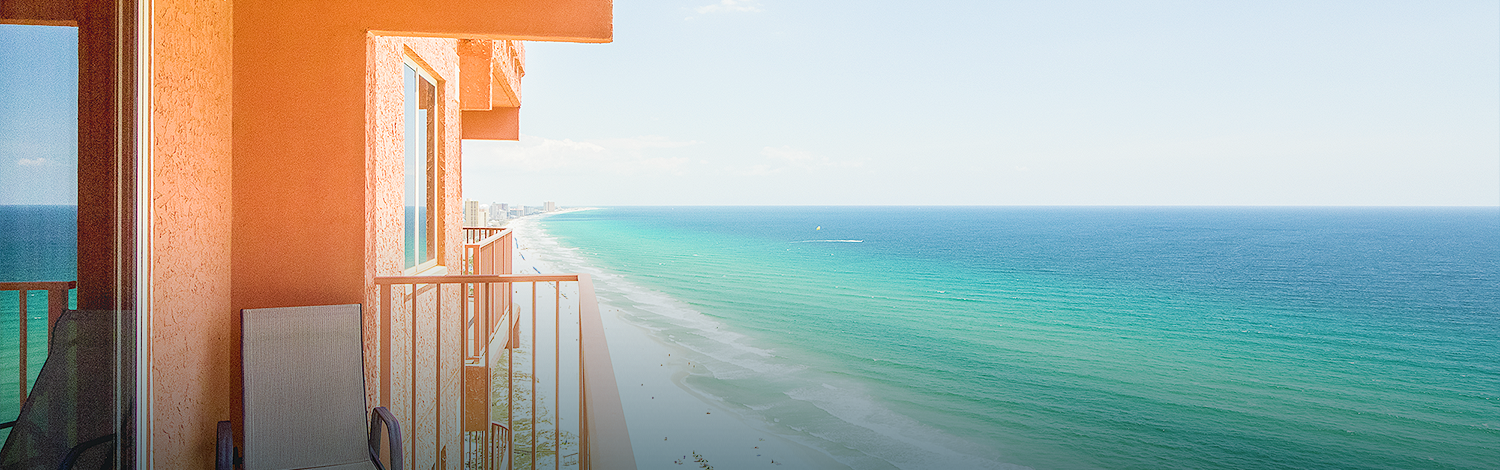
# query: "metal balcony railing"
[57,301]
[515,380]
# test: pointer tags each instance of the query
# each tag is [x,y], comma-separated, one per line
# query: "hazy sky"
[1031,102]
[38,115]
[827,102]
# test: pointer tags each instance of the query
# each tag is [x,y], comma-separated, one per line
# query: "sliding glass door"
[70,232]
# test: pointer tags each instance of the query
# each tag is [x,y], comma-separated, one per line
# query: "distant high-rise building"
[471,214]
[549,206]
[498,211]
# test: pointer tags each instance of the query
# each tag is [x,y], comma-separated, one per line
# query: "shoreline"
[667,419]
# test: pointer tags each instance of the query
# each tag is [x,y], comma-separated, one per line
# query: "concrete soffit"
[490,73]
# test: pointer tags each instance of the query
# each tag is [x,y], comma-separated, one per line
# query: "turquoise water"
[1061,338]
[37,243]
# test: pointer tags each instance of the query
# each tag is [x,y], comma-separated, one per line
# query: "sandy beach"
[668,421]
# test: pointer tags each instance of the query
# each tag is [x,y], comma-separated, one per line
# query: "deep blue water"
[1108,337]
[37,243]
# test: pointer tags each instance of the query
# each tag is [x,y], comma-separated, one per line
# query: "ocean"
[1077,337]
[37,243]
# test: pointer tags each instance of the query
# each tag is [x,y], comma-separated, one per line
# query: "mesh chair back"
[74,403]
[304,387]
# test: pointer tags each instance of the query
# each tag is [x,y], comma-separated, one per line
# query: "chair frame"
[227,456]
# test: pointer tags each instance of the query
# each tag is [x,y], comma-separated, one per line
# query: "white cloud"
[761,170]
[32,162]
[785,158]
[645,142]
[749,6]
[539,154]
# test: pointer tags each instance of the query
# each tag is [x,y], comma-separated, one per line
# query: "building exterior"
[238,154]
[471,214]
[549,206]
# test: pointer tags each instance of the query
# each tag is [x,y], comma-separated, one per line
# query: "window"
[423,182]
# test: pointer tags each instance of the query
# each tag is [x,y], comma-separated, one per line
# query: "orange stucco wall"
[299,168]
[272,170]
[383,193]
[301,218]
[273,180]
[193,329]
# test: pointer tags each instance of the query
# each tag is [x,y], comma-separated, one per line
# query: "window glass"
[420,186]
[68,244]
[38,196]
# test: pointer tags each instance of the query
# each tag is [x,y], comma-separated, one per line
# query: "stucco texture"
[192,326]
[384,180]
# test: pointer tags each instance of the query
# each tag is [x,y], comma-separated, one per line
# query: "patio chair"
[305,394]
[71,417]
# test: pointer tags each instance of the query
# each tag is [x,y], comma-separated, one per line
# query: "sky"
[769,102]
[744,102]
[38,115]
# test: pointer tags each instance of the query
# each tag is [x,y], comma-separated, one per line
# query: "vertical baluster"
[385,345]
[532,385]
[510,384]
[485,346]
[437,372]
[584,458]
[557,378]
[413,331]
[21,338]
[467,348]
[385,348]
[57,301]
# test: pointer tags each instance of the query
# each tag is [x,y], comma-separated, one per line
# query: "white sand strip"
[668,422]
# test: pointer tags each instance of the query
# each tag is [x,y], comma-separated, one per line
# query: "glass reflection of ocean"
[1069,338]
[37,243]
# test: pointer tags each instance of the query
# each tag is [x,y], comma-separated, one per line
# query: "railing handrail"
[38,285]
[604,437]
[492,238]
[57,301]
[493,232]
[474,278]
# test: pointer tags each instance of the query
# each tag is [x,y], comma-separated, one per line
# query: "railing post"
[535,423]
[557,377]
[57,301]
[385,345]
[21,339]
[603,430]
[413,369]
[603,442]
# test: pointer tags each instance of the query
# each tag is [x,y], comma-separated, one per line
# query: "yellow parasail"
[820,227]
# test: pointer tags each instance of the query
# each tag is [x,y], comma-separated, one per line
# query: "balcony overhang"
[528,20]
[495,124]
[490,88]
[491,72]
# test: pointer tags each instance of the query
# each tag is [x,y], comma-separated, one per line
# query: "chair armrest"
[224,450]
[77,451]
[393,433]
[6,425]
